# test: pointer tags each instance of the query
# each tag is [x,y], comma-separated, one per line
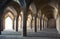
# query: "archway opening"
[19,23]
[8,23]
[48,11]
[29,21]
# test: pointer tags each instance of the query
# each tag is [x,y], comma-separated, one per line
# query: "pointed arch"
[8,23]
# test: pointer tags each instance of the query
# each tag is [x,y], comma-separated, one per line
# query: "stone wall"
[51,23]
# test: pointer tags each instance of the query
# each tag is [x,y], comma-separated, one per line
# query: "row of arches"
[9,21]
[31,18]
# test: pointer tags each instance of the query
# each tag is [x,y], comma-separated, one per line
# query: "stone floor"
[19,37]
[44,34]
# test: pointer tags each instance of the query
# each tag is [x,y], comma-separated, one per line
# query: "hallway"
[29,19]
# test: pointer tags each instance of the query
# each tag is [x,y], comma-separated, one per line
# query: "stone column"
[46,23]
[31,24]
[17,22]
[43,24]
[13,24]
[24,22]
[40,23]
[35,24]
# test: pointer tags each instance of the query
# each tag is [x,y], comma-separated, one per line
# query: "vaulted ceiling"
[48,11]
[45,8]
[41,4]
